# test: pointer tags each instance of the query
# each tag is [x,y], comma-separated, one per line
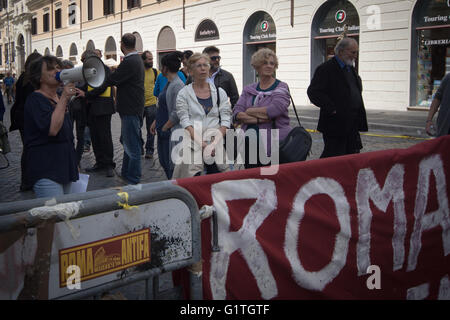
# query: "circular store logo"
[341,15]
[264,26]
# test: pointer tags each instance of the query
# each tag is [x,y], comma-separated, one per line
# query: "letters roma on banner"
[369,226]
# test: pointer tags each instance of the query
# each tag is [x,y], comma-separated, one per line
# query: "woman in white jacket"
[205,122]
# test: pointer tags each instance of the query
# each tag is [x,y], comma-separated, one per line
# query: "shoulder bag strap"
[218,103]
[295,109]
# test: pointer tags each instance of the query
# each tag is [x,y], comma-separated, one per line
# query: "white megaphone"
[91,72]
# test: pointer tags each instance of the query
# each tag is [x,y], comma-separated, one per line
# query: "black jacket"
[225,80]
[98,105]
[129,80]
[17,110]
[330,91]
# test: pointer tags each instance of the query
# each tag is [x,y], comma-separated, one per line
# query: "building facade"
[404,44]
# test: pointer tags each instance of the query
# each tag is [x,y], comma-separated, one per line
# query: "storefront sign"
[263,30]
[207,30]
[334,18]
[432,13]
[440,42]
[338,30]
[340,16]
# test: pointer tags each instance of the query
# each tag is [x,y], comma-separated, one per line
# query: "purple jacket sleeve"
[242,103]
[280,101]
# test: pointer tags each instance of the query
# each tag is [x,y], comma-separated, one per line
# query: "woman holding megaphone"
[51,164]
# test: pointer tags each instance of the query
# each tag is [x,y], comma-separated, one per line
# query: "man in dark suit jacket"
[336,89]
[100,103]
[129,80]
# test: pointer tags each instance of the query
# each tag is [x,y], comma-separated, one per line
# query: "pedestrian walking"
[51,164]
[204,119]
[23,89]
[151,75]
[336,89]
[8,83]
[441,102]
[166,116]
[263,106]
[129,80]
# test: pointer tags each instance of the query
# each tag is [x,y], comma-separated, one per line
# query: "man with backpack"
[150,102]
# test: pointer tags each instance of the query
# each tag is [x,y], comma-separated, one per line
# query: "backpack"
[156,75]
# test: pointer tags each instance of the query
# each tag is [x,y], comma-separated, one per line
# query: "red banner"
[369,226]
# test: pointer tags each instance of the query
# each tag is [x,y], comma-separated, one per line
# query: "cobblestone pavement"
[151,169]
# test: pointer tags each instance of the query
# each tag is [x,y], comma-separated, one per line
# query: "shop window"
[430,49]
[433,62]
[332,20]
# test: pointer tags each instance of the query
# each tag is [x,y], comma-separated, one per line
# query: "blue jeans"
[46,188]
[149,117]
[131,140]
[164,156]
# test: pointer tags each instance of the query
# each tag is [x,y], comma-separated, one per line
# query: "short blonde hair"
[194,58]
[260,56]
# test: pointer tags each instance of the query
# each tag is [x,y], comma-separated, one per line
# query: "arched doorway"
[328,24]
[139,44]
[21,53]
[430,49]
[166,43]
[59,52]
[259,31]
[110,49]
[90,45]
[47,52]
[73,52]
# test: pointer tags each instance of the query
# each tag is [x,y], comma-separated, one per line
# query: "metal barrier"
[78,249]
[23,205]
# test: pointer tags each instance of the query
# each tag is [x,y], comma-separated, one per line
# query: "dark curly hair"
[36,69]
[172,61]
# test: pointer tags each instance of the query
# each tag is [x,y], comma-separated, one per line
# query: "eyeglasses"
[214,58]
[202,65]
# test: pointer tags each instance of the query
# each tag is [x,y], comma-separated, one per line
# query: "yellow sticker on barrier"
[125,205]
[105,256]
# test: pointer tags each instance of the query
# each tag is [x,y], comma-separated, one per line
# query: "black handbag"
[297,145]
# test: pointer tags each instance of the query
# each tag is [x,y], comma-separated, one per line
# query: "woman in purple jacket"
[263,106]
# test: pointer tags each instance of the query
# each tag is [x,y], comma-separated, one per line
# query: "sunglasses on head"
[215,58]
